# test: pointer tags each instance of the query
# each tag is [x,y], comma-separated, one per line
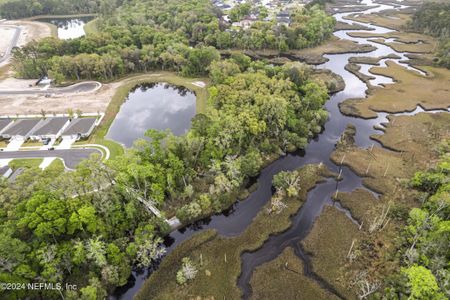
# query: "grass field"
[273,279]
[25,163]
[398,22]
[329,242]
[415,141]
[219,266]
[91,27]
[411,89]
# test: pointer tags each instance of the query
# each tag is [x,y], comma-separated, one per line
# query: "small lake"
[68,28]
[153,106]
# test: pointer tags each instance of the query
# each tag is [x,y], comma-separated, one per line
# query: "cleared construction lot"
[17,97]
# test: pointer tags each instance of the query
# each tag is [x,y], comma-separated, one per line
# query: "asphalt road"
[71,157]
[12,45]
[82,87]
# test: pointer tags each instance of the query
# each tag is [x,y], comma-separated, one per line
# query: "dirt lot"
[31,31]
[34,104]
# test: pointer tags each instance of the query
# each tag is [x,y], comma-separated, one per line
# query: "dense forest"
[433,18]
[16,9]
[425,240]
[146,35]
[62,232]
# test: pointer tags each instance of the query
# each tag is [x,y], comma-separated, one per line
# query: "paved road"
[82,87]
[71,157]
[13,43]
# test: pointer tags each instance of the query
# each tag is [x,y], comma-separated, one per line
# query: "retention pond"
[153,106]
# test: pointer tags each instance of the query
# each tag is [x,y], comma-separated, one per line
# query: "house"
[80,128]
[20,129]
[5,171]
[245,23]
[50,128]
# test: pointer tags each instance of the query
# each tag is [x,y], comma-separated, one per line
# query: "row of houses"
[49,128]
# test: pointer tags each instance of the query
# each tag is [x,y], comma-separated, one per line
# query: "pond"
[68,28]
[153,106]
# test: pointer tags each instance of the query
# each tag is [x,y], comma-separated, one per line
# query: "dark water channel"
[68,28]
[236,220]
[153,105]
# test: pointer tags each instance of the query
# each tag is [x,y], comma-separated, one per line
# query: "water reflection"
[68,28]
[153,106]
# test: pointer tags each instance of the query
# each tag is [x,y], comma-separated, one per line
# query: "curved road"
[13,43]
[71,157]
[82,87]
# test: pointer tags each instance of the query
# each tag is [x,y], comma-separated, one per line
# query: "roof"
[16,173]
[4,170]
[4,123]
[80,126]
[51,126]
[21,127]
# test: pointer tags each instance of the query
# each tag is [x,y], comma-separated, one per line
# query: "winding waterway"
[235,221]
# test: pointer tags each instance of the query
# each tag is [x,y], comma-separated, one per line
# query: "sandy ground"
[34,104]
[30,31]
[16,84]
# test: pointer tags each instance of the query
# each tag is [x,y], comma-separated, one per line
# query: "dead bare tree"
[380,221]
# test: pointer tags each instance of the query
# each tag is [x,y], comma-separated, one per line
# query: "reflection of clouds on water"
[69,28]
[156,106]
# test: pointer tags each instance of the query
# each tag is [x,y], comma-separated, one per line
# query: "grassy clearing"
[395,21]
[91,27]
[220,265]
[413,48]
[25,163]
[56,165]
[416,136]
[329,242]
[273,279]
[370,60]
[361,203]
[399,36]
[98,137]
[410,90]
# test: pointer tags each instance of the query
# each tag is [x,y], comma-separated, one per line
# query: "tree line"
[433,18]
[145,35]
[16,9]
[425,239]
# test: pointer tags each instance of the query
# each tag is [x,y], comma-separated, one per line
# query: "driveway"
[71,157]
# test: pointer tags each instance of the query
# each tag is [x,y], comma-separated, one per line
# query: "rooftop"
[4,123]
[80,126]
[51,126]
[21,127]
